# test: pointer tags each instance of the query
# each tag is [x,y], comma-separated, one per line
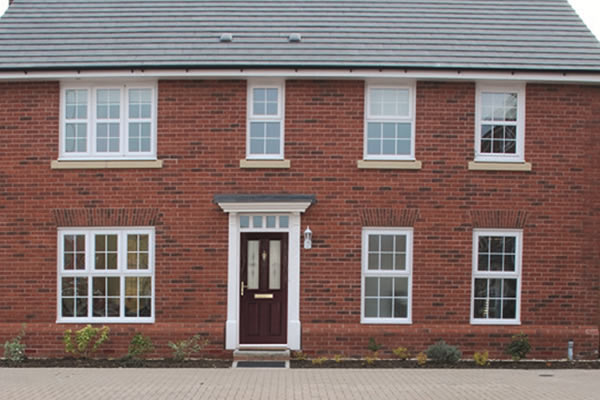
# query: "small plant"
[482,359]
[319,361]
[444,353]
[373,345]
[338,358]
[401,353]
[184,349]
[421,358]
[298,355]
[86,341]
[370,360]
[139,346]
[518,347]
[14,350]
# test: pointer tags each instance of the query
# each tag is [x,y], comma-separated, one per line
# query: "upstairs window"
[265,121]
[500,124]
[108,122]
[389,123]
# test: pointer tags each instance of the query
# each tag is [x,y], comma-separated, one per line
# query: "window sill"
[265,163]
[395,164]
[106,320]
[105,164]
[385,321]
[499,166]
[495,322]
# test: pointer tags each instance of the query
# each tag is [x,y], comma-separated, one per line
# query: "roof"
[537,35]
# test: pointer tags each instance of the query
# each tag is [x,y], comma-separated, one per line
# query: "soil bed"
[461,364]
[119,363]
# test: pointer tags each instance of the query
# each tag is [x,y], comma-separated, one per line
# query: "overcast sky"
[588,10]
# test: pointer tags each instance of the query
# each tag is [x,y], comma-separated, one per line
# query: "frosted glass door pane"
[253,264]
[274,264]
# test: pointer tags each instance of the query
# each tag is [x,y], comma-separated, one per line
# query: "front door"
[263,288]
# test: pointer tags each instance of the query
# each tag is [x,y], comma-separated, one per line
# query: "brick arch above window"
[389,217]
[88,217]
[499,219]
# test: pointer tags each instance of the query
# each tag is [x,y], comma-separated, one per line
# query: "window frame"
[91,153]
[519,155]
[411,118]
[408,272]
[516,274]
[90,272]
[280,117]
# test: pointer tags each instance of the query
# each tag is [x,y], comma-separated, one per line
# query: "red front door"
[263,288]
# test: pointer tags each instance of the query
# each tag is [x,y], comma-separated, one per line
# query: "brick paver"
[266,384]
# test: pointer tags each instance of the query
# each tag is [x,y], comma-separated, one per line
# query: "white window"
[496,286]
[265,121]
[386,275]
[108,122]
[500,128]
[390,123]
[106,275]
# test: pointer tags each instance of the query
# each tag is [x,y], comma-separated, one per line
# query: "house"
[302,175]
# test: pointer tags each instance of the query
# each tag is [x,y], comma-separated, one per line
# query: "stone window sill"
[396,164]
[499,166]
[265,164]
[106,164]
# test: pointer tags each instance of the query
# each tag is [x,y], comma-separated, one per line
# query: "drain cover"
[261,364]
[546,375]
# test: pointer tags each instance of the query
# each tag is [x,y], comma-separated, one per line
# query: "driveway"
[284,384]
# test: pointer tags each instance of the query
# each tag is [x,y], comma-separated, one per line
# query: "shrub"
[14,350]
[518,347]
[442,352]
[298,355]
[373,346]
[338,358]
[481,359]
[139,346]
[319,361]
[370,360]
[86,341]
[401,353]
[421,358]
[184,349]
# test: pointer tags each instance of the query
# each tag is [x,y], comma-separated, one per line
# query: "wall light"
[307,238]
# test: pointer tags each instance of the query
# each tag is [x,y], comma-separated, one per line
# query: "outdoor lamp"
[307,238]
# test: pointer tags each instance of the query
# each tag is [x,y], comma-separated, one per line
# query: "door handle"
[242,288]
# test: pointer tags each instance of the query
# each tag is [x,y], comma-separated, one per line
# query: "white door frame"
[292,210]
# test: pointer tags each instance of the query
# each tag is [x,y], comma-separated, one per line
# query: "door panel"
[263,288]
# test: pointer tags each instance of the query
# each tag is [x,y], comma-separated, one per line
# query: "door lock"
[242,286]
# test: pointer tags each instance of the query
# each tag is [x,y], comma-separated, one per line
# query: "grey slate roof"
[474,34]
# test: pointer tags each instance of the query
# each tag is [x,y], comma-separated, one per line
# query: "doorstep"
[261,358]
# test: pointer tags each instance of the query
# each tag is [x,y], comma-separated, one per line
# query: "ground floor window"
[106,275]
[386,275]
[496,277]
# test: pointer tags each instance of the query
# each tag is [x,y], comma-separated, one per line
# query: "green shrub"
[401,353]
[319,361]
[421,358]
[373,346]
[139,346]
[481,359]
[442,352]
[518,347]
[14,350]
[184,349]
[86,341]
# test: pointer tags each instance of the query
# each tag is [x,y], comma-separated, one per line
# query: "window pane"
[510,288]
[387,242]
[400,308]
[509,309]
[401,287]
[400,262]
[496,244]
[480,309]
[272,146]
[145,307]
[371,287]
[271,221]
[274,264]
[68,287]
[252,278]
[481,287]
[145,288]
[373,262]
[385,287]
[496,262]
[283,221]
[387,261]
[257,221]
[400,243]
[385,308]
[495,287]
[495,309]
[371,308]
[374,130]
[68,307]
[483,262]
[244,221]
[403,147]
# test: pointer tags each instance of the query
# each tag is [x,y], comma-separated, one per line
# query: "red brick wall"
[201,138]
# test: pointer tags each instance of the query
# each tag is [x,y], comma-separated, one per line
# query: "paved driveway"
[265,384]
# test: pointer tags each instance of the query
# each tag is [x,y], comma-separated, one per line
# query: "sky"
[588,10]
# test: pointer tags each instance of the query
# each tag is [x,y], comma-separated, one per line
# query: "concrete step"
[261,355]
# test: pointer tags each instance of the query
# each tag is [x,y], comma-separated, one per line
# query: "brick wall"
[201,138]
